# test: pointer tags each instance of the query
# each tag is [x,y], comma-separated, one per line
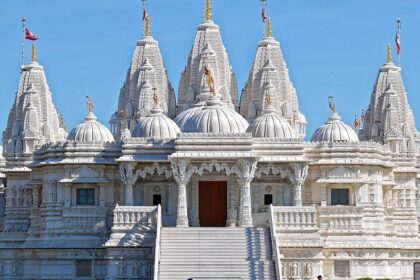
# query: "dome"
[213,118]
[271,125]
[156,125]
[90,131]
[334,131]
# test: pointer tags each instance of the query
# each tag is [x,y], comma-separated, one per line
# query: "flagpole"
[23,39]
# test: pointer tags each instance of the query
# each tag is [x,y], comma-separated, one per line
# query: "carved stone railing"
[134,226]
[291,218]
[84,218]
[340,218]
[157,243]
[274,244]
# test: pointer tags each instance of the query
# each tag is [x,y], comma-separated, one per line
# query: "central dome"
[335,131]
[212,118]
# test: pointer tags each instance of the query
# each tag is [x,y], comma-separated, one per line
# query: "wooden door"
[212,204]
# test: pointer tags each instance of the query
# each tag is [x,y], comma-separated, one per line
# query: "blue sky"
[86,47]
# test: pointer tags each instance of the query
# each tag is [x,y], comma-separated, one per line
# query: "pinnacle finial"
[33,54]
[268,31]
[388,54]
[207,10]
[147,27]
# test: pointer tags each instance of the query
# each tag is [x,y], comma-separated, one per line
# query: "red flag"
[356,122]
[30,36]
[264,15]
[363,116]
[145,15]
[397,42]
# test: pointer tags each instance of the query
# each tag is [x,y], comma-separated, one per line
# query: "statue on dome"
[331,103]
[155,97]
[89,104]
[210,80]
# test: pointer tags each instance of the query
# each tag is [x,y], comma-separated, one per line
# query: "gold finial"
[33,56]
[269,32]
[388,54]
[147,26]
[207,10]
[155,97]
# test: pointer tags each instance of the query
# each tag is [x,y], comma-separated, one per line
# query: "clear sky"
[86,47]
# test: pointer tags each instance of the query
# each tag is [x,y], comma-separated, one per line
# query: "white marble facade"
[345,204]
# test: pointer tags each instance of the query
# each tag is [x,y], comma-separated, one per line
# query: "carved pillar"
[245,177]
[182,175]
[324,195]
[233,205]
[194,205]
[35,196]
[300,173]
[129,178]
[67,195]
[102,198]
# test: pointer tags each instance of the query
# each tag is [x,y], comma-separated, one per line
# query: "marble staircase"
[216,253]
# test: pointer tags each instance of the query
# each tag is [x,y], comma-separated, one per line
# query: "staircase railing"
[274,243]
[157,244]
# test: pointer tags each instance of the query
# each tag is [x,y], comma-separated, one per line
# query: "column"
[182,175]
[245,177]
[102,198]
[129,177]
[233,205]
[67,195]
[300,173]
[35,196]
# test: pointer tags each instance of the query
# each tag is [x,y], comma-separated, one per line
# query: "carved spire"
[207,10]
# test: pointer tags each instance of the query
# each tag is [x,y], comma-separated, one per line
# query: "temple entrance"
[212,203]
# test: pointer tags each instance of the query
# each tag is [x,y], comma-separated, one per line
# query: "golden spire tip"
[207,10]
[33,55]
[269,32]
[388,54]
[147,27]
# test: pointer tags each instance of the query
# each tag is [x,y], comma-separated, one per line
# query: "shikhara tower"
[209,187]
[146,72]
[389,118]
[207,50]
[269,73]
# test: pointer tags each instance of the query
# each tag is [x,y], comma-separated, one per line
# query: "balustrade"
[338,218]
[126,217]
[84,218]
[291,218]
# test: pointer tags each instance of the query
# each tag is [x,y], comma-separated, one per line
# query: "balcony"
[85,219]
[340,219]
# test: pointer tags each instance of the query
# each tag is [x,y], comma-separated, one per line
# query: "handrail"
[157,244]
[274,243]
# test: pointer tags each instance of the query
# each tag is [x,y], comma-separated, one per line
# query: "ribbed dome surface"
[213,118]
[90,131]
[335,131]
[156,125]
[182,118]
[271,125]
